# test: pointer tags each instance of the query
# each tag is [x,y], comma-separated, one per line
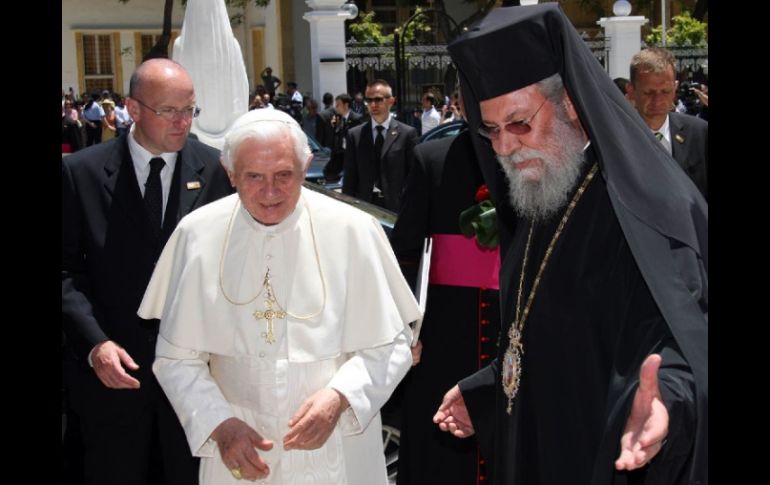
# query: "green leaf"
[480,221]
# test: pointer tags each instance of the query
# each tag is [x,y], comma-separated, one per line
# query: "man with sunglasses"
[601,375]
[120,202]
[378,154]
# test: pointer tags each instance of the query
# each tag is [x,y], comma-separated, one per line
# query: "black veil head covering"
[662,214]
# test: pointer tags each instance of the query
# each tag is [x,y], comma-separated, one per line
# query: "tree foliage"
[684,30]
[365,29]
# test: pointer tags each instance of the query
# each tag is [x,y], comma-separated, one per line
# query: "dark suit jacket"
[334,166]
[324,132]
[342,127]
[395,162]
[690,147]
[109,249]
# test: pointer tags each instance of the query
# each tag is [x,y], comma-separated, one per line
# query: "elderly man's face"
[268,179]
[539,145]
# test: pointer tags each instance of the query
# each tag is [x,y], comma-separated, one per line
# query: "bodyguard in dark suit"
[327,115]
[690,143]
[120,202]
[342,120]
[653,89]
[379,153]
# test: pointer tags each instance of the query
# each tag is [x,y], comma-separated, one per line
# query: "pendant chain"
[512,360]
[266,283]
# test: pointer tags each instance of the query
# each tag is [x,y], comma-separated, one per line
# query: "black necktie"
[378,141]
[153,193]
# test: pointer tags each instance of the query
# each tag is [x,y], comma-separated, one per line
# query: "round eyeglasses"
[515,128]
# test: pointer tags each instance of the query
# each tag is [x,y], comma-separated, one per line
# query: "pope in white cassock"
[284,322]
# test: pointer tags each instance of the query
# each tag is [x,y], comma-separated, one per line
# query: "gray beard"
[562,164]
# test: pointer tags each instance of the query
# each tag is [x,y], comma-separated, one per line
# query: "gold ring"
[236,473]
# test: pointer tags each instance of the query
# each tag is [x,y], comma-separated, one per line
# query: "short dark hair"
[291,84]
[380,82]
[622,84]
[328,98]
[345,98]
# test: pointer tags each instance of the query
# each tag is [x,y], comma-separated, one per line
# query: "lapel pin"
[193,185]
[679,138]
[393,133]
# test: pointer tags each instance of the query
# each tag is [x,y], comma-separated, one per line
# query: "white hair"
[563,160]
[265,126]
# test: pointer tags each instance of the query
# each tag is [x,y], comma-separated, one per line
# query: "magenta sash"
[459,261]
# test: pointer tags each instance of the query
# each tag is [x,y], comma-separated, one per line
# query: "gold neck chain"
[266,285]
[512,358]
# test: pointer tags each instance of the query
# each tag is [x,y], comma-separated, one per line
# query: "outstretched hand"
[647,425]
[452,415]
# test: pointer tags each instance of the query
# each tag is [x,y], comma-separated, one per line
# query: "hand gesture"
[315,419]
[702,95]
[236,441]
[453,416]
[108,359]
[647,425]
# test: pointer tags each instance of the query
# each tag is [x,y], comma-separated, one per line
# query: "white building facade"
[104,40]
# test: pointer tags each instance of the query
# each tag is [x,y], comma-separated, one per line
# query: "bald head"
[161,102]
[154,72]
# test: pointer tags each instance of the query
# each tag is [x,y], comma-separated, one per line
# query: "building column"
[327,46]
[625,38]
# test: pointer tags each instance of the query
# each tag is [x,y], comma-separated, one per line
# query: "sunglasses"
[515,128]
[378,99]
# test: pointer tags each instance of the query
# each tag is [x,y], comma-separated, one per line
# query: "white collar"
[665,130]
[385,124]
[141,156]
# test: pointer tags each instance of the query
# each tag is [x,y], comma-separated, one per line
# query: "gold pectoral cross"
[269,314]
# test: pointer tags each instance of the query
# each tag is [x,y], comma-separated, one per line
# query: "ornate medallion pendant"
[512,366]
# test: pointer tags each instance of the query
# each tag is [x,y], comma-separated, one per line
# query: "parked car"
[321,156]
[445,130]
[387,218]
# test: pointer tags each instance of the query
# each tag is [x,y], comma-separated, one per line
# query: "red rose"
[482,194]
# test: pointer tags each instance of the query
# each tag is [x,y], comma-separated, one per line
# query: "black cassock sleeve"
[478,392]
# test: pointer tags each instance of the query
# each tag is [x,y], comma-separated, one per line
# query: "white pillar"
[625,37]
[327,46]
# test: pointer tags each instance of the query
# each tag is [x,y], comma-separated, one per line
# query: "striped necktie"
[663,141]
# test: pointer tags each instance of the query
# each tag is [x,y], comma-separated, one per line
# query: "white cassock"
[212,359]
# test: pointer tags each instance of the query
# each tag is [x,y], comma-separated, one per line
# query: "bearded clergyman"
[601,375]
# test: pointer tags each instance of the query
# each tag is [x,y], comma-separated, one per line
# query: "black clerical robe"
[592,323]
[462,321]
